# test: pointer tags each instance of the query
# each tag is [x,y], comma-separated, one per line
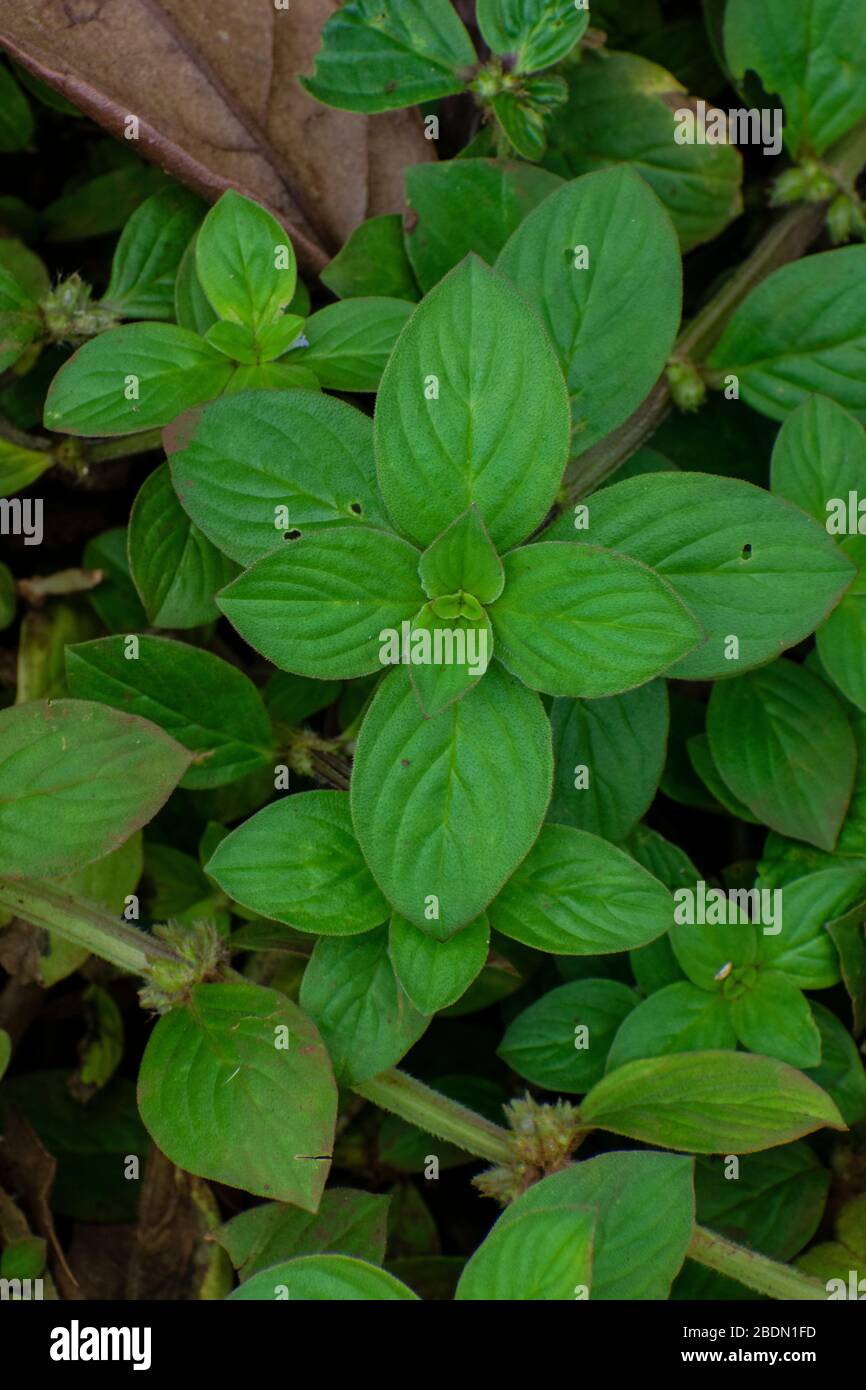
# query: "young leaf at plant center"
[644,1205]
[841,1073]
[462,558]
[434,973]
[373,262]
[450,651]
[746,563]
[297,861]
[610,299]
[175,569]
[378,55]
[622,109]
[561,1041]
[319,607]
[463,205]
[149,252]
[76,780]
[348,344]
[115,599]
[472,409]
[134,378]
[245,262]
[812,53]
[346,1223]
[680,1017]
[236,1086]
[326,1278]
[771,1016]
[609,757]
[709,1102]
[351,991]
[242,465]
[575,894]
[426,796]
[801,330]
[208,705]
[761,728]
[533,33]
[581,621]
[541,1256]
[775,1205]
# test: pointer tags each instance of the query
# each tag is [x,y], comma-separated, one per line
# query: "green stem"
[125,447]
[89,926]
[436,1114]
[85,924]
[755,1271]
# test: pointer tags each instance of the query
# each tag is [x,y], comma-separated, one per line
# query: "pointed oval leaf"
[427,796]
[297,861]
[710,1102]
[678,1018]
[472,409]
[225,1098]
[349,343]
[537,33]
[541,1255]
[324,1278]
[463,558]
[435,973]
[561,1041]
[577,895]
[245,261]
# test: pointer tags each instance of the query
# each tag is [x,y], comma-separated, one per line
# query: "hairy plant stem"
[787,239]
[89,926]
[108,449]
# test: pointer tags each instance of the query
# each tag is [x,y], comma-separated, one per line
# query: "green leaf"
[775,1204]
[848,937]
[16,118]
[175,569]
[709,1102]
[76,780]
[20,467]
[378,55]
[434,973]
[577,895]
[324,1278]
[134,378]
[320,605]
[537,33]
[841,1073]
[466,648]
[192,307]
[243,464]
[561,1041]
[115,598]
[233,340]
[149,252]
[761,728]
[620,741]
[746,563]
[20,322]
[297,861]
[209,706]
[644,1205]
[701,758]
[680,1017]
[292,699]
[803,950]
[245,262]
[819,454]
[96,206]
[463,558]
[347,1223]
[812,54]
[236,1086]
[463,205]
[613,322]
[577,620]
[350,342]
[373,261]
[621,111]
[351,991]
[803,329]
[472,409]
[25,267]
[427,800]
[772,1016]
[540,1256]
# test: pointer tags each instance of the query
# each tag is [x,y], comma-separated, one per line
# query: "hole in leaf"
[746,553]
[356,508]
[291,535]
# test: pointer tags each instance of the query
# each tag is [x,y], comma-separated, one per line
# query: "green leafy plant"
[473,775]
